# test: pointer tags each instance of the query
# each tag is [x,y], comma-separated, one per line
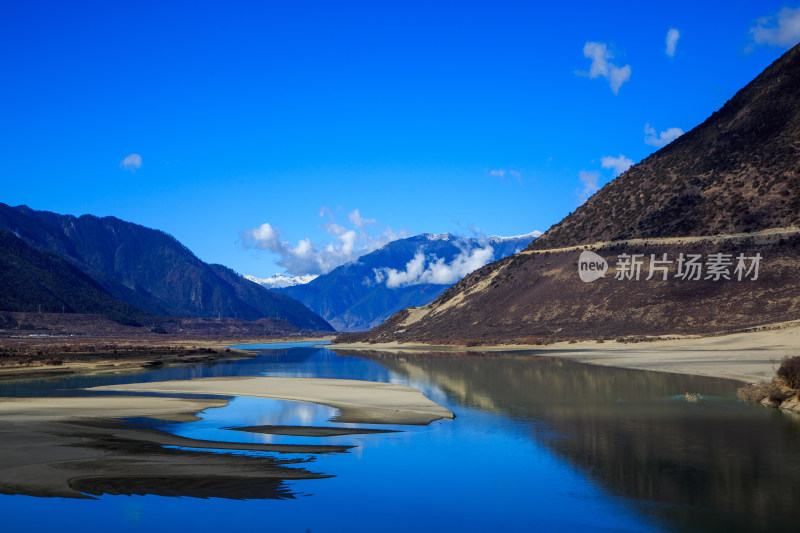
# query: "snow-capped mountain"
[412,271]
[280,281]
[517,238]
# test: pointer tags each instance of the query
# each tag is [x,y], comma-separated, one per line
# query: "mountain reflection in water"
[717,463]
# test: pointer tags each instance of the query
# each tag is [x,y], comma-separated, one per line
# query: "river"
[538,444]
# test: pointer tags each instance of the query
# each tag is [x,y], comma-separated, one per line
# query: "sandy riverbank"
[749,357]
[32,357]
[310,431]
[367,402]
[73,448]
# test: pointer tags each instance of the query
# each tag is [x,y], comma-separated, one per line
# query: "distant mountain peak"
[493,238]
[438,236]
[532,235]
[409,271]
[281,281]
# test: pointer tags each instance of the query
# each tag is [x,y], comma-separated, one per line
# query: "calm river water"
[538,444]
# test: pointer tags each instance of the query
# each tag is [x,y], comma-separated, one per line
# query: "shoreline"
[76,447]
[747,357]
[358,401]
[129,355]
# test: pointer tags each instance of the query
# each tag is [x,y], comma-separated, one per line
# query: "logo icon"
[591,266]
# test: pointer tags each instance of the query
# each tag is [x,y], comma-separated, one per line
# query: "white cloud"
[435,270]
[662,139]
[131,162]
[619,164]
[346,244]
[672,41]
[618,76]
[602,67]
[782,29]
[503,175]
[264,237]
[590,182]
[358,221]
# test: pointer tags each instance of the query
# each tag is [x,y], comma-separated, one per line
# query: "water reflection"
[165,458]
[711,465]
[80,458]
[288,362]
[537,442]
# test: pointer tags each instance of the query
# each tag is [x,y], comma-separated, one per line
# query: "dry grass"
[789,371]
[785,385]
[773,391]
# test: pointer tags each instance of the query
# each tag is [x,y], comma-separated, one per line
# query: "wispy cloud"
[346,243]
[619,164]
[590,182]
[435,270]
[504,175]
[781,29]
[131,162]
[602,67]
[358,221]
[662,139]
[672,41]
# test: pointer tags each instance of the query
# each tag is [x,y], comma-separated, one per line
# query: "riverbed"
[536,443]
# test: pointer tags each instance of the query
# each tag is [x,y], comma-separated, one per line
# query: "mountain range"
[138,266]
[34,281]
[412,271]
[726,193]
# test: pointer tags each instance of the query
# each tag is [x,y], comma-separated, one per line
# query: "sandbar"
[364,402]
[73,448]
[309,431]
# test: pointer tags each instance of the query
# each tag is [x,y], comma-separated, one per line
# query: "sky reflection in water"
[537,444]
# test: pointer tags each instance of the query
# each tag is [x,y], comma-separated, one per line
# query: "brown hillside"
[737,173]
[535,297]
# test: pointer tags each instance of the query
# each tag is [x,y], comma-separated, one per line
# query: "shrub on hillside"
[790,371]
[755,392]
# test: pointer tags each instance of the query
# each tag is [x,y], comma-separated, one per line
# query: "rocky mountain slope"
[738,171]
[150,269]
[732,183]
[35,281]
[411,271]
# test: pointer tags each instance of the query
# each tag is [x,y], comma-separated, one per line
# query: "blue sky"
[423,116]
